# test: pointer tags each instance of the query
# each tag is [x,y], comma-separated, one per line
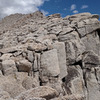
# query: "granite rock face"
[50,58]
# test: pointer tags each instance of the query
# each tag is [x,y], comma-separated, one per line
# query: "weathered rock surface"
[50,58]
[24,66]
[4,95]
[36,99]
[49,63]
[8,67]
[60,46]
[43,92]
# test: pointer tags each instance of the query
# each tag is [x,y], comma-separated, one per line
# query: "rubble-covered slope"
[50,58]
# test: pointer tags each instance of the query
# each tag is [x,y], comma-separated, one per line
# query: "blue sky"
[48,7]
[69,7]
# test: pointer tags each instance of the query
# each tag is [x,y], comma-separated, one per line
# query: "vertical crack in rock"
[96,74]
[98,32]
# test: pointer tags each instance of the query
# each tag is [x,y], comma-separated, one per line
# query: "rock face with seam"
[50,57]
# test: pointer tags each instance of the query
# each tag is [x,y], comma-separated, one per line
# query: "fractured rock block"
[24,66]
[49,62]
[9,67]
[90,60]
[73,49]
[73,82]
[42,92]
[92,85]
[91,42]
[30,56]
[60,46]
[82,31]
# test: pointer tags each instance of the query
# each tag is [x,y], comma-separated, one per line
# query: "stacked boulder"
[50,58]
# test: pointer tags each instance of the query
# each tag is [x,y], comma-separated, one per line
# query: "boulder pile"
[50,57]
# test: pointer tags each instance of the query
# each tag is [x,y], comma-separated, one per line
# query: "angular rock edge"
[50,57]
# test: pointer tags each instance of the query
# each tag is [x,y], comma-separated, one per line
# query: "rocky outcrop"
[50,58]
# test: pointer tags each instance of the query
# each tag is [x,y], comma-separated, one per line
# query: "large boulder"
[90,60]
[91,42]
[87,26]
[73,49]
[60,46]
[49,62]
[74,82]
[92,85]
[43,92]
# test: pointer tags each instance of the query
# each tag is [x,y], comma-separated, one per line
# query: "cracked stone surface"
[50,57]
